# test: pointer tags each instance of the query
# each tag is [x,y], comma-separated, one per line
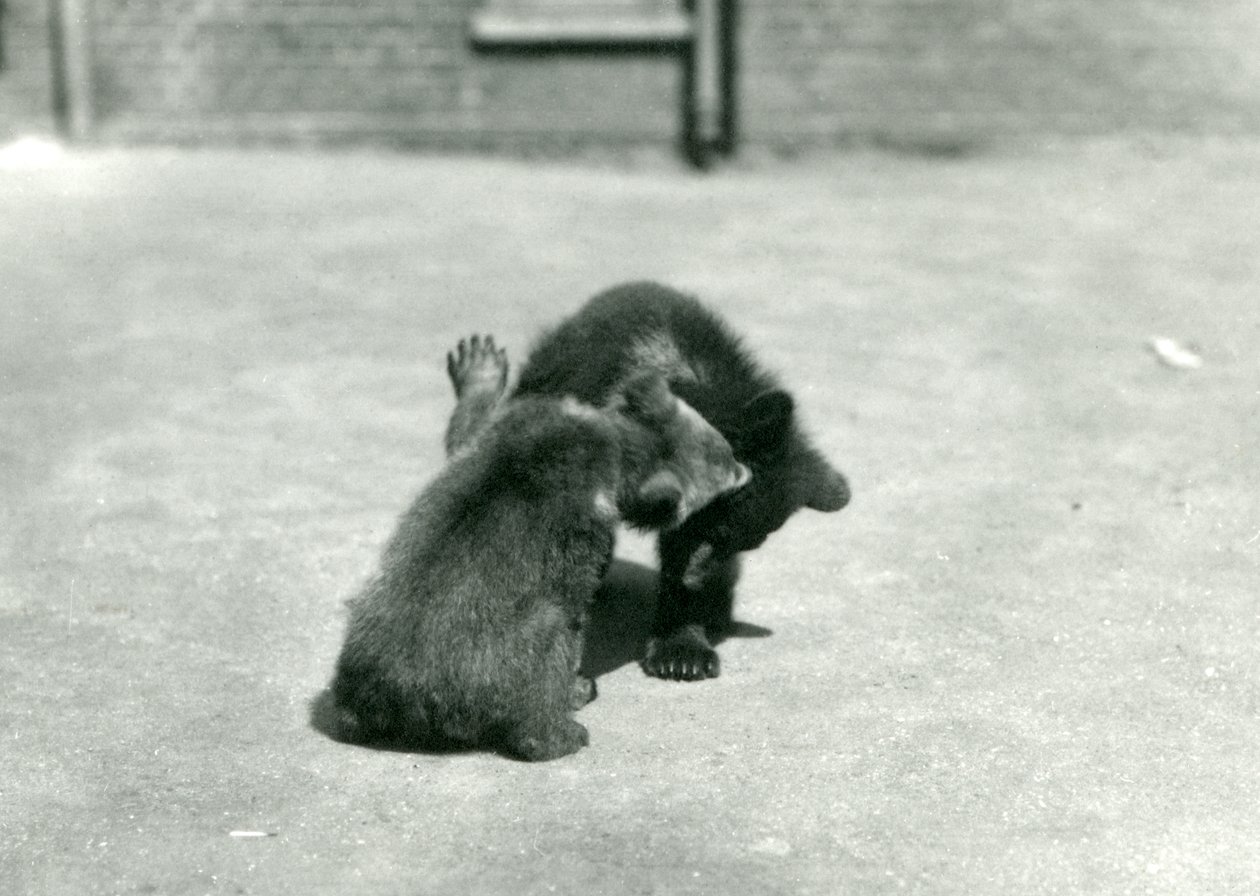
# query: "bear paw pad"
[476,365]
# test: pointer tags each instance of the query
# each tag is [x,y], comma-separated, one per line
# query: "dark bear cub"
[639,328]
[470,633]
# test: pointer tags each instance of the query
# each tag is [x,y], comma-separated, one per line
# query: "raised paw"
[560,739]
[583,692]
[685,655]
[476,365]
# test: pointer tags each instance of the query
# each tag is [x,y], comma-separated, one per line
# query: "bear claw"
[683,656]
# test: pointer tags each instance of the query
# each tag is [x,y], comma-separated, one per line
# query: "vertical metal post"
[707,84]
[70,26]
[709,71]
[728,74]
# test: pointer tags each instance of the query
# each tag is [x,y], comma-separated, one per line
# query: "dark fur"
[645,326]
[470,634]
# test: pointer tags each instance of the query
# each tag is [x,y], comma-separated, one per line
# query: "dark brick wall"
[812,72]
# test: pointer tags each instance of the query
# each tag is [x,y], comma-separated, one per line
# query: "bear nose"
[743,475]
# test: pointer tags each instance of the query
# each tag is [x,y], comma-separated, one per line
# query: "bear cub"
[639,328]
[469,635]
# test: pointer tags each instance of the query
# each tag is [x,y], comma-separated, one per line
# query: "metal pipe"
[70,31]
[709,71]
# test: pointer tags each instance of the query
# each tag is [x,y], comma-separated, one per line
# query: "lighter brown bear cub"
[470,633]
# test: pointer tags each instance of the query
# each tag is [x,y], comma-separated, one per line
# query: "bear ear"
[659,500]
[825,488]
[767,416]
[648,399]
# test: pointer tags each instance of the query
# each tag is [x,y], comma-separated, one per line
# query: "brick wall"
[942,71]
[812,71]
[25,68]
[387,69]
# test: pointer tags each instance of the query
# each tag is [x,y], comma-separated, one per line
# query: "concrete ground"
[1023,661]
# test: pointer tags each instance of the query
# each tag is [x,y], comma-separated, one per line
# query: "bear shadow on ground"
[620,620]
[617,630]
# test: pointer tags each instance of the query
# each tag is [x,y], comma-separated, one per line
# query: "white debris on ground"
[1174,354]
[30,152]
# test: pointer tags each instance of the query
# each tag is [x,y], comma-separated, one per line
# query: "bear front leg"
[479,372]
[697,591]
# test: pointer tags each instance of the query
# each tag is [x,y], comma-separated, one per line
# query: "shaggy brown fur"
[470,634]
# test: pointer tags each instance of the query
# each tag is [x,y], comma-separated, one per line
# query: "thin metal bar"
[70,22]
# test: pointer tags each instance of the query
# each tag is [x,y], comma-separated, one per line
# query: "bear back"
[647,327]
